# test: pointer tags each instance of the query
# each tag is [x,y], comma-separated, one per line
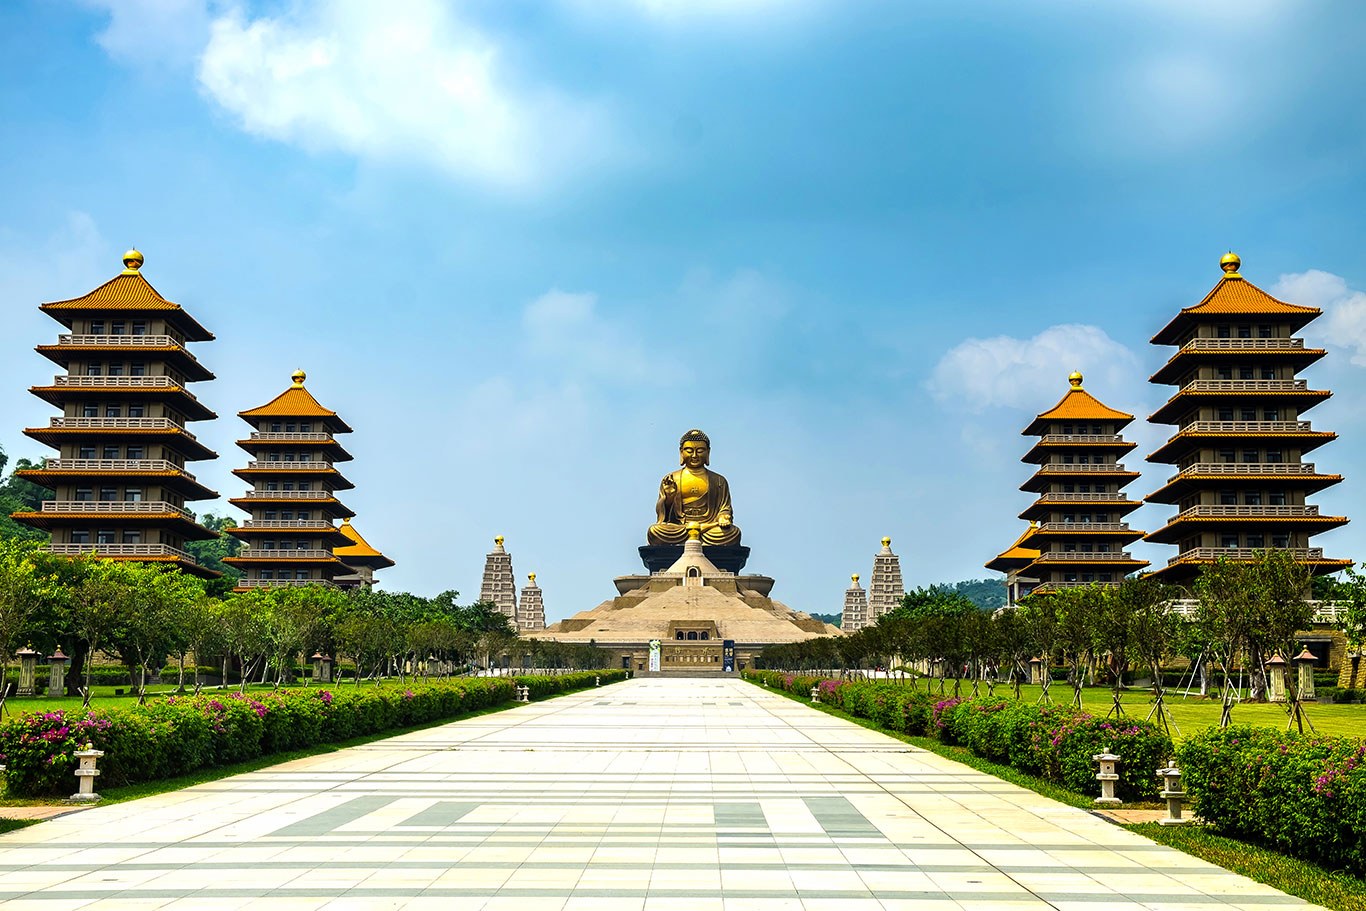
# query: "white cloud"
[564,332]
[1344,321]
[1031,374]
[153,31]
[420,85]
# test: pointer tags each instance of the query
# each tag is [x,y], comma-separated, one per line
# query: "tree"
[19,495]
[1040,617]
[1154,631]
[148,626]
[1112,635]
[1013,643]
[210,554]
[246,632]
[201,621]
[22,589]
[101,591]
[1076,609]
[292,620]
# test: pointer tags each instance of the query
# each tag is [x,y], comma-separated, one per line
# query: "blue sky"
[521,247]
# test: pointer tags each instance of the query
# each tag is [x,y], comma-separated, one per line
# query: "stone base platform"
[730,558]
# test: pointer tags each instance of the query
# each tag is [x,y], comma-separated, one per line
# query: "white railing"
[116,465]
[1081,438]
[283,583]
[1082,528]
[119,550]
[291,436]
[1251,512]
[1070,468]
[122,341]
[1245,468]
[1243,553]
[288,495]
[1246,386]
[297,465]
[118,424]
[1070,556]
[1325,612]
[284,553]
[115,506]
[1083,498]
[1245,427]
[297,524]
[118,382]
[1242,344]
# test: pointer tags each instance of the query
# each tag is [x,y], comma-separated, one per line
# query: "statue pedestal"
[730,558]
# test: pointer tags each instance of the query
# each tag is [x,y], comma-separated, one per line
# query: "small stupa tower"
[531,611]
[885,589]
[855,614]
[498,587]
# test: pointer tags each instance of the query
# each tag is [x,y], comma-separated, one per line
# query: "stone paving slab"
[643,796]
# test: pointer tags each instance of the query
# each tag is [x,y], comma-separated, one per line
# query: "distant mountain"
[832,619]
[987,594]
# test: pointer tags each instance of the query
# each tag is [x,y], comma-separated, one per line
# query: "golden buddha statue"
[693,496]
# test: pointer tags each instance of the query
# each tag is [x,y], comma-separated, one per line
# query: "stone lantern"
[28,670]
[1174,793]
[1036,670]
[317,659]
[433,666]
[56,675]
[815,695]
[1275,677]
[1108,776]
[327,669]
[86,774]
[1304,672]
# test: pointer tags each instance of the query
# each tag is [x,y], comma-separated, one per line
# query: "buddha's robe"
[674,512]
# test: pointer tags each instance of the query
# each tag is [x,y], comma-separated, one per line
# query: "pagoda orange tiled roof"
[1234,296]
[295,402]
[359,547]
[1076,405]
[130,291]
[1016,555]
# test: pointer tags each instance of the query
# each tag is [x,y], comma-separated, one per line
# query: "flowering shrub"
[1302,795]
[180,734]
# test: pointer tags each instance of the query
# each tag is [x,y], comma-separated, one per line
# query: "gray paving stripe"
[442,813]
[327,820]
[840,819]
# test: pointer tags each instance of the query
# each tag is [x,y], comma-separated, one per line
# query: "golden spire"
[1075,379]
[854,578]
[498,539]
[1230,263]
[298,376]
[531,577]
[886,542]
[132,262]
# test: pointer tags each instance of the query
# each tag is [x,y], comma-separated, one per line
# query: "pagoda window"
[268,575]
[305,427]
[137,410]
[116,369]
[1107,577]
[137,368]
[273,455]
[1265,332]
[109,494]
[289,457]
[118,327]
[1097,429]
[94,370]
[289,426]
[300,574]
[97,327]
[1275,498]
[1066,428]
[1225,414]
[1225,373]
[110,452]
[1228,498]
[85,452]
[272,485]
[90,410]
[113,411]
[1245,332]
[286,514]
[1084,488]
[105,536]
[1269,373]
[1280,540]
[133,494]
[1256,541]
[84,493]
[1088,577]
[1248,414]
[1274,455]
[268,514]
[1251,456]
[136,452]
[305,457]
[1069,577]
[289,485]
[1223,331]
[1227,455]
[305,515]
[1228,541]
[80,536]
[1271,414]
[274,426]
[132,536]
[305,485]
[1245,373]
[1067,459]
[1102,548]
[1068,488]
[268,544]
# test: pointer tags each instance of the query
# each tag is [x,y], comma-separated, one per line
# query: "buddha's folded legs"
[674,533]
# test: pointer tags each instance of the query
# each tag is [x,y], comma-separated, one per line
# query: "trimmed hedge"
[1051,741]
[180,734]
[1300,795]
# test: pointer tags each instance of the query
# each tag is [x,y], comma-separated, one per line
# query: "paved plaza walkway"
[704,795]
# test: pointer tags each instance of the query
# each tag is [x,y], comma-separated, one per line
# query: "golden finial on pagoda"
[531,577]
[298,376]
[498,539]
[1230,263]
[132,262]
[886,542]
[854,578]
[1075,379]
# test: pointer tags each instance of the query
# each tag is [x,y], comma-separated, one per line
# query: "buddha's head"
[694,450]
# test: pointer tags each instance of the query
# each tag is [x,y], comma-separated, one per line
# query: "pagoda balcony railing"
[1072,468]
[1325,612]
[297,465]
[283,583]
[288,495]
[1242,344]
[1243,553]
[1083,498]
[116,465]
[1082,528]
[292,524]
[1081,438]
[119,550]
[1245,511]
[1246,427]
[1246,386]
[1044,587]
[293,553]
[118,424]
[120,382]
[1083,556]
[292,436]
[1245,468]
[123,341]
[115,506]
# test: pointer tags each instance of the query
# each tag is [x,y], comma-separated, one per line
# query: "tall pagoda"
[531,607]
[885,588]
[119,477]
[854,616]
[1012,561]
[497,586]
[1240,440]
[1081,532]
[290,536]
[360,557]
